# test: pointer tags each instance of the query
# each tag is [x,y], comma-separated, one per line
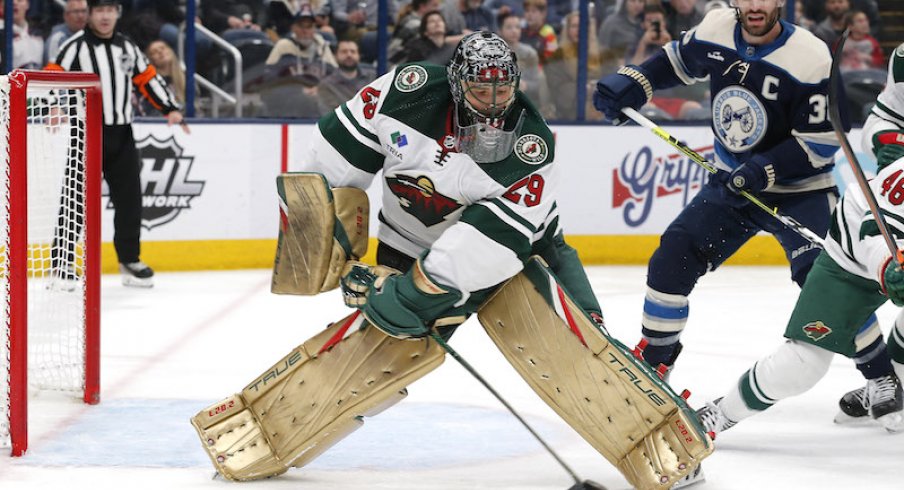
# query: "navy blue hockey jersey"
[770,99]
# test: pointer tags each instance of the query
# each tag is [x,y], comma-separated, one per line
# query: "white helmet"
[483,76]
[483,59]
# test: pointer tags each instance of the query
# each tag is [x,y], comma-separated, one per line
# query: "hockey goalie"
[468,201]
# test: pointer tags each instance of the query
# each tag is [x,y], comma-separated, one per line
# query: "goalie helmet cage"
[51,124]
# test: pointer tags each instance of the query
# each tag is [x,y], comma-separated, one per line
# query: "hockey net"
[50,139]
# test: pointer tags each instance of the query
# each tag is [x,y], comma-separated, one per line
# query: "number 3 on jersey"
[528,191]
[893,188]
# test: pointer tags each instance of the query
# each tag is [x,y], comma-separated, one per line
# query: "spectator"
[800,18]
[830,29]
[281,13]
[815,9]
[678,102]
[537,33]
[303,54]
[682,15]
[354,18]
[466,16]
[233,20]
[168,66]
[28,46]
[533,80]
[344,83]
[324,28]
[655,35]
[75,18]
[556,12]
[619,32]
[500,7]
[408,25]
[861,50]
[562,71]
[431,44]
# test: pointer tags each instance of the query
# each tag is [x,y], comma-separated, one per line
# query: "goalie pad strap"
[311,399]
[320,229]
[593,382]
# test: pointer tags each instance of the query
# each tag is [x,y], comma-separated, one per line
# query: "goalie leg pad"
[320,228]
[311,399]
[616,403]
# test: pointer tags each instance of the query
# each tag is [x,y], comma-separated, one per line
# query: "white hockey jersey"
[888,113]
[479,221]
[854,241]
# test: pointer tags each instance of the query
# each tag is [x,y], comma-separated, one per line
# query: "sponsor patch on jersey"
[817,330]
[739,118]
[410,78]
[531,149]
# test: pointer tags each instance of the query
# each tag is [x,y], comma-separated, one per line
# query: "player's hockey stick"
[578,483]
[835,118]
[711,168]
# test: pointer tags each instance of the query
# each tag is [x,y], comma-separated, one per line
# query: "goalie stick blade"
[587,485]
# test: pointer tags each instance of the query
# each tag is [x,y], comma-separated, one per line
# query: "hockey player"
[469,185]
[460,208]
[769,84]
[883,136]
[850,279]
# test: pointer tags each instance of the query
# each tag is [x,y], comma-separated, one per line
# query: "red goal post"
[50,258]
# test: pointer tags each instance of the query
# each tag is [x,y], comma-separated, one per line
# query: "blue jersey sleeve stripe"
[822,150]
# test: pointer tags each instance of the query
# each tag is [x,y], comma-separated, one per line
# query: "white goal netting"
[54,273]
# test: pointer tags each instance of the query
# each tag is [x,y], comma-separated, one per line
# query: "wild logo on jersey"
[817,330]
[164,176]
[418,197]
[641,179]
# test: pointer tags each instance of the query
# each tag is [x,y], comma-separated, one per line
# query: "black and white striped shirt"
[120,65]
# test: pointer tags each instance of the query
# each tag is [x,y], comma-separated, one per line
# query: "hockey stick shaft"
[838,127]
[465,364]
[697,158]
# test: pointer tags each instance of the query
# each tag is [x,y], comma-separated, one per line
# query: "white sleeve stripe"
[355,133]
[505,218]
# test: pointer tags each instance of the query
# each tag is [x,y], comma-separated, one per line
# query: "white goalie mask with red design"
[483,76]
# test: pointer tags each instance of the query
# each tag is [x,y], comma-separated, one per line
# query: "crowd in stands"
[301,58]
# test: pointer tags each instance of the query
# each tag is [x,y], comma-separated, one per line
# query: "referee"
[121,66]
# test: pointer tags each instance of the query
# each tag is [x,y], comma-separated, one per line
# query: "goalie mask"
[483,75]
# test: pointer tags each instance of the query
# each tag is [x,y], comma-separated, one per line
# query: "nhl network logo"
[164,178]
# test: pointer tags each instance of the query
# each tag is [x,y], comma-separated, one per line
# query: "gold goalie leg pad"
[319,230]
[616,403]
[311,399]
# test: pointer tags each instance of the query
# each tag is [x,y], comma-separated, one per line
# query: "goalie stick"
[835,119]
[578,483]
[697,158]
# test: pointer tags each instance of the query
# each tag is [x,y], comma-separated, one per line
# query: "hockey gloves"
[755,175]
[893,282]
[404,306]
[889,147]
[357,279]
[628,87]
